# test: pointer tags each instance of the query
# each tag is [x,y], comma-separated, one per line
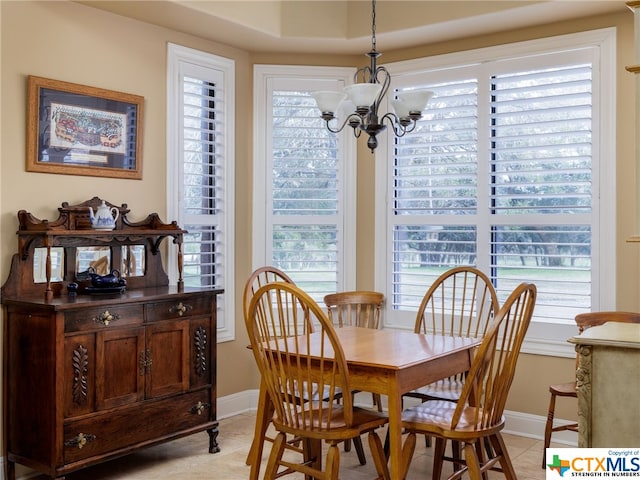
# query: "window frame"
[263,76]
[544,338]
[176,56]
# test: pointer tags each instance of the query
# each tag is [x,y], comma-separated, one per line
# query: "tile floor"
[188,458]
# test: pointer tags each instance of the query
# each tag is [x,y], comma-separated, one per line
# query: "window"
[304,181]
[200,173]
[503,172]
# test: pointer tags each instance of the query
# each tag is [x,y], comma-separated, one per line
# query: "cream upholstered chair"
[359,308]
[568,389]
[478,414]
[304,385]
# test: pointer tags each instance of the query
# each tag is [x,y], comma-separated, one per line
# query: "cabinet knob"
[80,440]
[180,309]
[199,407]
[106,318]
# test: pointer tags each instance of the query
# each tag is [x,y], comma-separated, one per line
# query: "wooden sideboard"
[608,386]
[97,374]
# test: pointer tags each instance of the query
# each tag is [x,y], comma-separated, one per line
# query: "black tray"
[104,290]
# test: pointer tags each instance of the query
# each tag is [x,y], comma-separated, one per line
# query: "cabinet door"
[168,353]
[120,367]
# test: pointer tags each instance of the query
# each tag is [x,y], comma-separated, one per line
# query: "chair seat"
[335,427]
[564,389]
[434,418]
[446,389]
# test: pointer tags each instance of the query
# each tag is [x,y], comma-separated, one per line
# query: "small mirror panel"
[97,257]
[40,264]
[132,261]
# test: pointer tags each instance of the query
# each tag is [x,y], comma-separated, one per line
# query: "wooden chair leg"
[379,456]
[548,428]
[332,465]
[357,442]
[408,449]
[455,454]
[473,463]
[263,419]
[499,447]
[377,401]
[438,455]
[276,455]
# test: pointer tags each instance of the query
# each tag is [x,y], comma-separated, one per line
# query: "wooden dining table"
[389,362]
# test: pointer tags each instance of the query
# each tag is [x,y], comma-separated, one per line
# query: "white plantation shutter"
[503,173]
[201,106]
[542,184]
[302,169]
[203,197]
[436,177]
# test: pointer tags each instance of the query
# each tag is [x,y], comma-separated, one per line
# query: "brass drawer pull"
[199,407]
[180,309]
[80,440]
[106,318]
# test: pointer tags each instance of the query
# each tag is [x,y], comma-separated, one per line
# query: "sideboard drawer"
[188,306]
[104,433]
[102,317]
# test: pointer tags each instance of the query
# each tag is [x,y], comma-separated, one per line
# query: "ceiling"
[344,26]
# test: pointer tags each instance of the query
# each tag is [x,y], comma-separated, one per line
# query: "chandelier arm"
[385,86]
[363,75]
[346,122]
[399,130]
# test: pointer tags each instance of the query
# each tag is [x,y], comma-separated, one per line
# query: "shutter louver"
[203,195]
[305,194]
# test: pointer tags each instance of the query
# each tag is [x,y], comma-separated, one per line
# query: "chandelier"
[371,84]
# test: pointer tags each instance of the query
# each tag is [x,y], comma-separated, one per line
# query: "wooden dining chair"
[569,389]
[478,413]
[461,302]
[304,382]
[258,278]
[359,309]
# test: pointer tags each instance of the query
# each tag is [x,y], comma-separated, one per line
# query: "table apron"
[372,378]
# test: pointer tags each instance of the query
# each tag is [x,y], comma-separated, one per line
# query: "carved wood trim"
[80,362]
[583,383]
[200,349]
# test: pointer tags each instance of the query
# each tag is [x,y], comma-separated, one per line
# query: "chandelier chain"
[373,25]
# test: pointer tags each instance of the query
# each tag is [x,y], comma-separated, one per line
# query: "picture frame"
[75,129]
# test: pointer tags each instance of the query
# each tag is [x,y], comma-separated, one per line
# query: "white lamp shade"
[363,94]
[415,101]
[346,108]
[328,101]
[400,108]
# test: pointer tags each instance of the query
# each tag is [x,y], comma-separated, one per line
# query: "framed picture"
[79,130]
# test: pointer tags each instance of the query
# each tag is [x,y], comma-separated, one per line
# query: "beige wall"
[72,42]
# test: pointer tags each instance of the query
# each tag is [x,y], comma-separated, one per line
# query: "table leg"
[395,430]
[263,418]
